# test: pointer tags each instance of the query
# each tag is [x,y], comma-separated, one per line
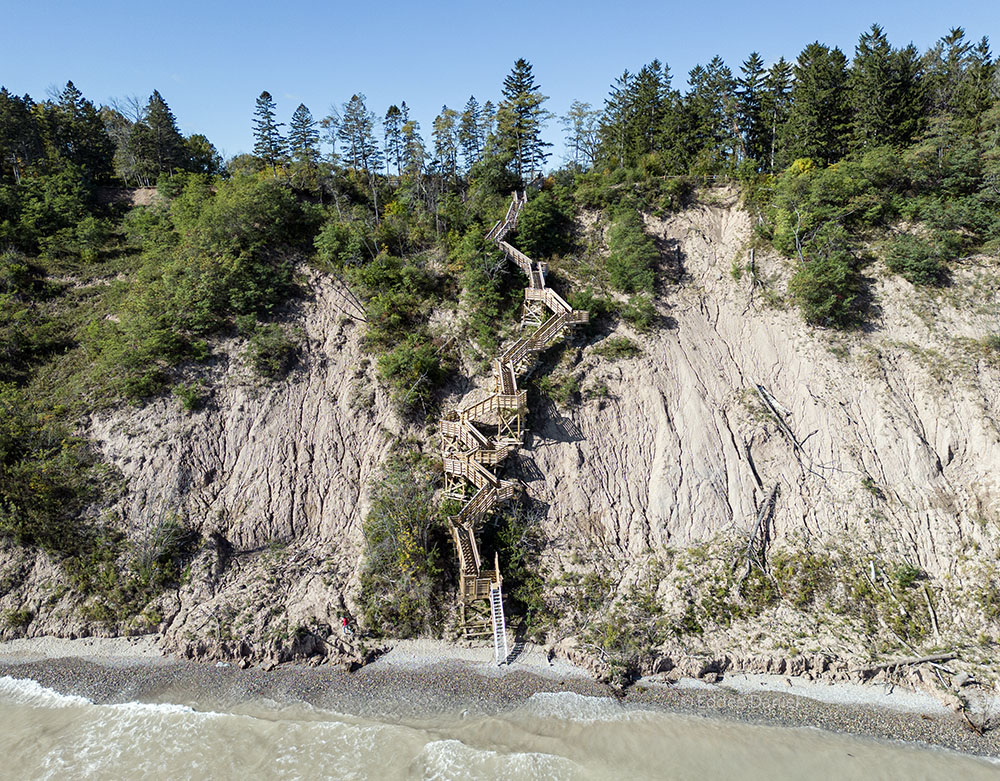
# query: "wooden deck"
[478,438]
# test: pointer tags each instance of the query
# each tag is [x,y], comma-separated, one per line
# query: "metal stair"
[499,624]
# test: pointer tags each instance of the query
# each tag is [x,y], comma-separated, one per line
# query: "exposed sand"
[107,650]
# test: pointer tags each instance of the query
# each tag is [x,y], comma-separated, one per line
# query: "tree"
[581,125]
[202,156]
[73,132]
[818,121]
[750,88]
[303,144]
[470,132]
[160,142]
[20,139]
[393,128]
[775,104]
[361,152]
[446,142]
[269,145]
[414,152]
[710,109]
[520,119]
[357,133]
[487,125]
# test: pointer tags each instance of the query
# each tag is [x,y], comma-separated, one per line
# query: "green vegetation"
[616,348]
[400,582]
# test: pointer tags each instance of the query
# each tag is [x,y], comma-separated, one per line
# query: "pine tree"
[74,132]
[445,134]
[392,126]
[750,87]
[870,82]
[357,133]
[414,152]
[710,108]
[303,144]
[818,121]
[776,103]
[520,119]
[488,123]
[20,140]
[470,132]
[269,145]
[161,144]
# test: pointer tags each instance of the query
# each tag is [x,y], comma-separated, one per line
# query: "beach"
[422,678]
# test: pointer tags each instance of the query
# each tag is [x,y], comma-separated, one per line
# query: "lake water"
[44,734]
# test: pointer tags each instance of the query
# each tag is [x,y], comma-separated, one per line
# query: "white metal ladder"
[499,624]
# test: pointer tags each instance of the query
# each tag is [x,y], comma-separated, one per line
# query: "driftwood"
[757,551]
[892,665]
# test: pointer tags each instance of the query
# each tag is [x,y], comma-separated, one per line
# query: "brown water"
[561,735]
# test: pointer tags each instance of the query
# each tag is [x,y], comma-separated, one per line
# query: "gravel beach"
[426,677]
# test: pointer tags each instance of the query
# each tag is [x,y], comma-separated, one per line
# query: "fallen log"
[906,663]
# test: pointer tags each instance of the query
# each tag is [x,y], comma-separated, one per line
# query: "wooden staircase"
[477,438]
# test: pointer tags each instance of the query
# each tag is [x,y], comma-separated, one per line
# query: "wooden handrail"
[478,452]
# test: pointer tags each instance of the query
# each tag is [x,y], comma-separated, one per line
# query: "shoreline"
[425,677]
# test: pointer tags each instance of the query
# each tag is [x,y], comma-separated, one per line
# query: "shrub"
[828,289]
[404,535]
[617,347]
[640,313]
[271,352]
[917,260]
[632,255]
[412,370]
[18,618]
[543,227]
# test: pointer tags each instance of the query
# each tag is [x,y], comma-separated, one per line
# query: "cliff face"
[892,445]
[896,435]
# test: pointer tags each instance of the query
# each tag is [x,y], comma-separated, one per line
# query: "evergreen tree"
[269,145]
[74,133]
[520,119]
[414,152]
[818,121]
[357,133]
[776,103]
[392,126]
[445,134]
[20,139]
[303,144]
[161,145]
[710,108]
[871,90]
[616,120]
[201,155]
[470,132]
[750,89]
[488,121]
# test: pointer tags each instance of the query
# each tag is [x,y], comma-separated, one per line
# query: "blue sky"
[210,60]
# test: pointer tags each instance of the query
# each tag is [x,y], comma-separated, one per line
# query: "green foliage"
[271,352]
[18,618]
[918,260]
[640,313]
[632,255]
[192,396]
[412,370]
[47,477]
[232,256]
[828,288]
[404,536]
[616,348]
[544,225]
[562,388]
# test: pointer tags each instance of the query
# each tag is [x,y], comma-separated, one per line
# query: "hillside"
[643,484]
